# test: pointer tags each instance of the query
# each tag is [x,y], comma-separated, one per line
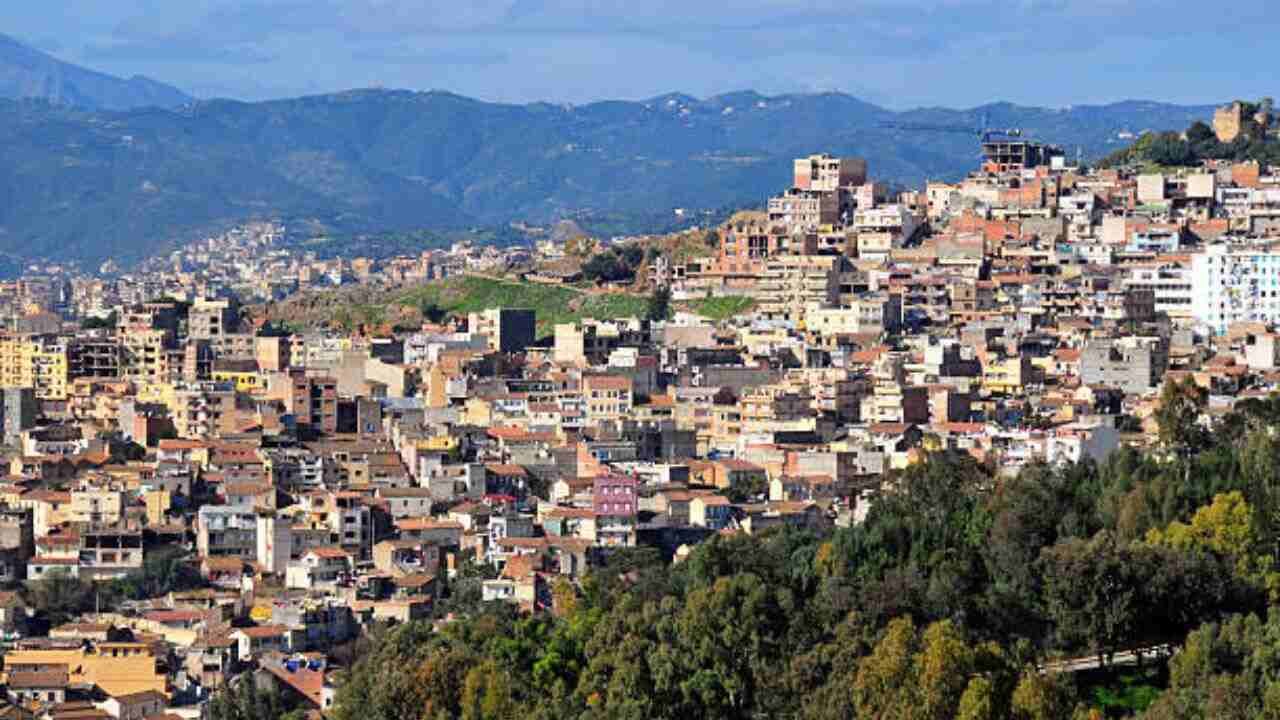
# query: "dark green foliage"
[607,267]
[164,570]
[58,597]
[1130,692]
[659,307]
[616,264]
[462,594]
[1197,144]
[99,323]
[246,701]
[940,604]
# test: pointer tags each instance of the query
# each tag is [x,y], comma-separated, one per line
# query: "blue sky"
[898,53]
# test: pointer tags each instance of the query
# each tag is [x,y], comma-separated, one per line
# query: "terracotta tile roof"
[505,469]
[331,553]
[38,679]
[606,382]
[262,631]
[413,523]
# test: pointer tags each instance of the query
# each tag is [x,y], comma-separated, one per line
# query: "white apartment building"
[1170,283]
[1235,284]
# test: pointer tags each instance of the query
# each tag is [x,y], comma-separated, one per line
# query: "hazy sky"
[899,53]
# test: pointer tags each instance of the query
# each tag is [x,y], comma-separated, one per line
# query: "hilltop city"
[234,468]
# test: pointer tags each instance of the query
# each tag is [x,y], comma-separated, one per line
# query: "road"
[1091,662]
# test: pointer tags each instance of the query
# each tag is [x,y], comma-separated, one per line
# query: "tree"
[94,322]
[385,684]
[883,687]
[163,571]
[1200,132]
[1091,594]
[1041,696]
[60,596]
[606,267]
[1178,419]
[487,694]
[977,702]
[1227,528]
[246,701]
[1178,416]
[659,305]
[724,632]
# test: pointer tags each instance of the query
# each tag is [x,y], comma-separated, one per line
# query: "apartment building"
[1132,364]
[209,319]
[608,397]
[313,400]
[1231,284]
[828,174]
[804,209]
[791,284]
[872,314]
[223,530]
[203,410]
[1170,285]
[508,329]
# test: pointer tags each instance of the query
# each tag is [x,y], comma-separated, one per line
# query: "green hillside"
[721,307]
[87,186]
[406,308]
[552,304]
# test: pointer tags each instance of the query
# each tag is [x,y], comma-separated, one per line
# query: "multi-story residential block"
[829,174]
[1231,284]
[508,329]
[615,502]
[225,530]
[203,410]
[790,285]
[1133,364]
[608,397]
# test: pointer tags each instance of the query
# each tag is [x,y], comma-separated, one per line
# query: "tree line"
[946,602]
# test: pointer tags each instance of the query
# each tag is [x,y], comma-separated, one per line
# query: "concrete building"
[508,329]
[19,413]
[1132,364]
[225,530]
[792,284]
[828,174]
[1015,155]
[1230,285]
[1169,283]
[873,314]
[808,209]
[208,319]
[203,410]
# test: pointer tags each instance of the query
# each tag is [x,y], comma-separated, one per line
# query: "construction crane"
[985,133]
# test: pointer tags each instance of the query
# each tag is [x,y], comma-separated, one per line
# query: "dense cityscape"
[999,447]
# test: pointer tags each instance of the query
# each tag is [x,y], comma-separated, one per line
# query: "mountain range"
[28,73]
[83,181]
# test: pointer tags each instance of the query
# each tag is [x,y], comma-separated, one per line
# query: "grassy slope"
[721,307]
[552,304]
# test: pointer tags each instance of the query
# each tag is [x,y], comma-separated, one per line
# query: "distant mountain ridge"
[26,73]
[89,185]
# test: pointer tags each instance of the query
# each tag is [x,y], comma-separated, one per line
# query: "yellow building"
[477,411]
[246,380]
[38,362]
[158,504]
[49,370]
[1007,375]
[117,668]
[13,369]
[438,443]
